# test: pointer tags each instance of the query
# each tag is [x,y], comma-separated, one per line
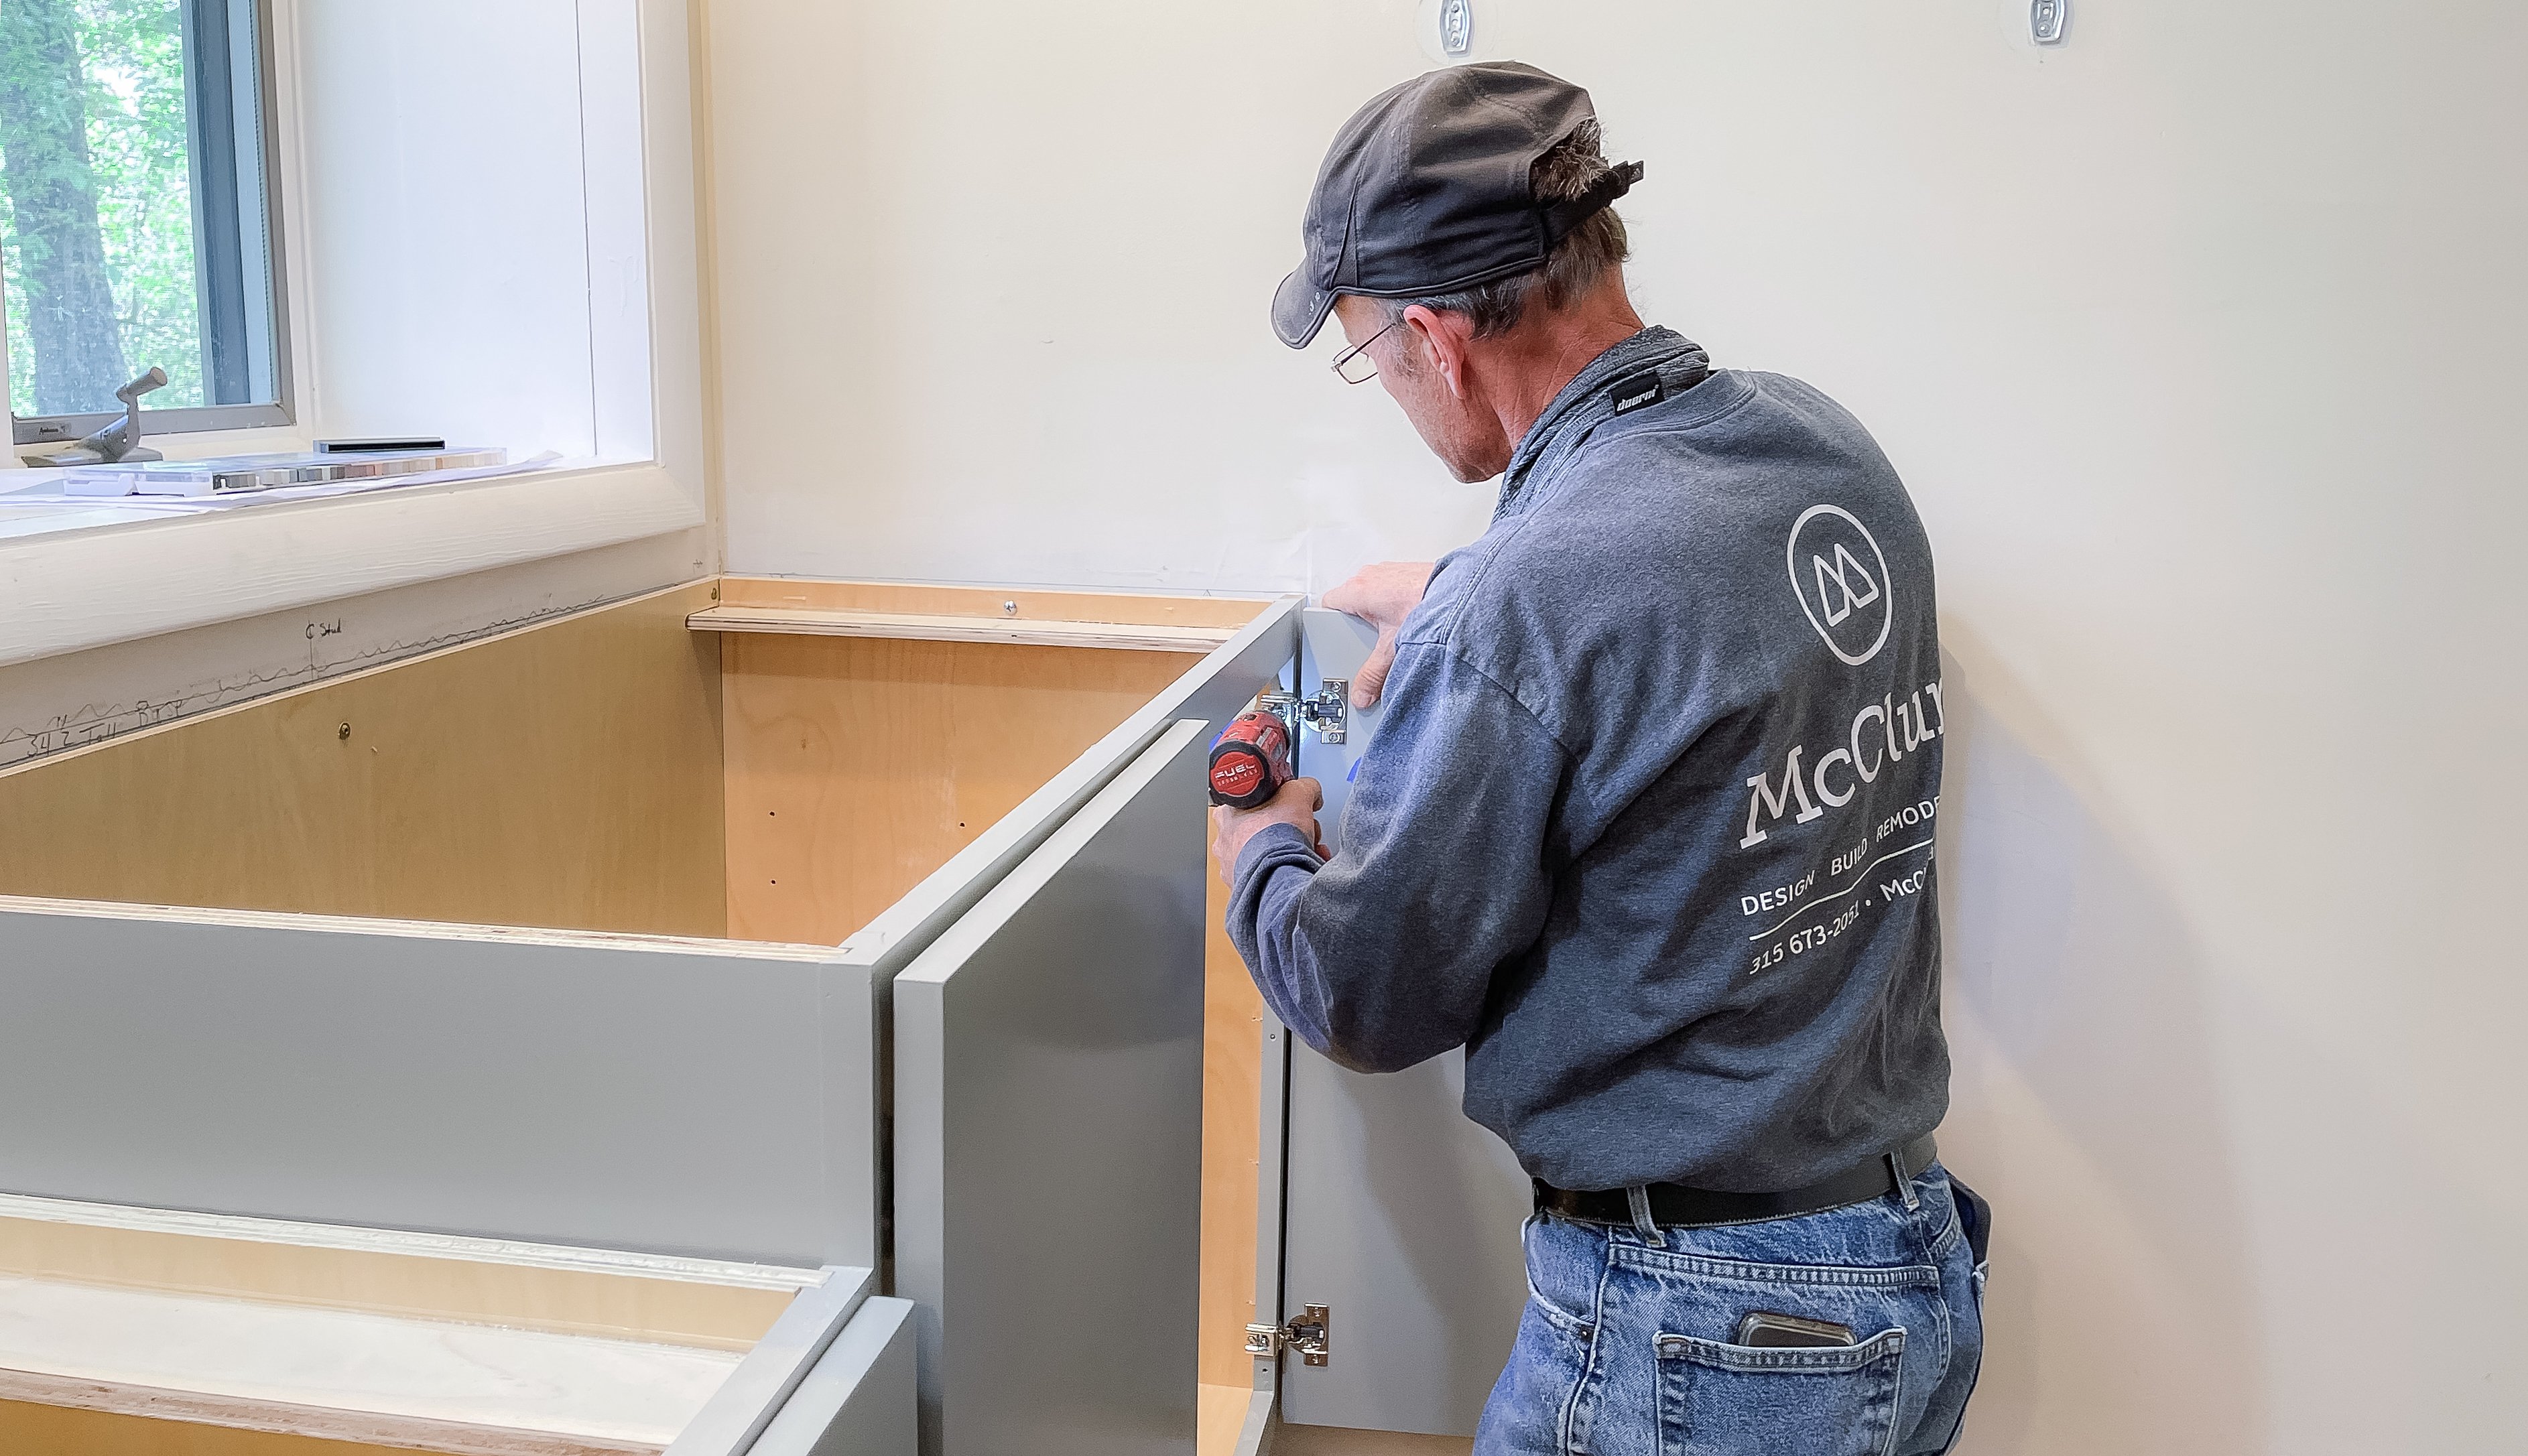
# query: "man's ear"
[1444,337]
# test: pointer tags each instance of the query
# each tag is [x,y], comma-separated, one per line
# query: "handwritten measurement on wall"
[96,722]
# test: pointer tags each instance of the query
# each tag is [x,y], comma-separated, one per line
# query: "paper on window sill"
[143,508]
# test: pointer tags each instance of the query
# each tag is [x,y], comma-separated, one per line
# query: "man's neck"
[1535,361]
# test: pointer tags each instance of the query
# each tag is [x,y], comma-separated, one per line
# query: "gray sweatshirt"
[1647,827]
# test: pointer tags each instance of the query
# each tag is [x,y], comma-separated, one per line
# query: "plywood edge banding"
[470,1250]
[920,627]
[120,909]
[407,1432]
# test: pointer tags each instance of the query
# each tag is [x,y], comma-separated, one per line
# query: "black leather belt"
[1676,1206]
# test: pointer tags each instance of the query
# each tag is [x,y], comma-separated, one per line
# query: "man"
[1647,827]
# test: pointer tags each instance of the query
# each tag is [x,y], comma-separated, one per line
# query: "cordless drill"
[1250,760]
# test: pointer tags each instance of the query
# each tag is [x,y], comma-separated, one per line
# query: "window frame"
[281,412]
[78,582]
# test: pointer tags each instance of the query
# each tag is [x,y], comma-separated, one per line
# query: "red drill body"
[1250,760]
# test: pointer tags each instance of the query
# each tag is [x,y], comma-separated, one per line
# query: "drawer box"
[141,1331]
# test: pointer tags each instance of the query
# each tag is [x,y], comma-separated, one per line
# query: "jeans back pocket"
[1718,1399]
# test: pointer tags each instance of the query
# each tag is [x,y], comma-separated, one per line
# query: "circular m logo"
[1842,581]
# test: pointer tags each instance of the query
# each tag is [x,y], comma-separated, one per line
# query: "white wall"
[1007,265]
[2197,343]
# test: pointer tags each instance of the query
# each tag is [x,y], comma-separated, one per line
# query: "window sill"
[181,444]
[95,580]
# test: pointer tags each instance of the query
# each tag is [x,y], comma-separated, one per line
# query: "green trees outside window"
[126,238]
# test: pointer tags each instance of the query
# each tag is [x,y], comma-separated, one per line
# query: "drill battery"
[1250,760]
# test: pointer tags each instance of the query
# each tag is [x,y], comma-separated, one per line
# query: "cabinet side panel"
[857,766]
[608,1095]
[564,776]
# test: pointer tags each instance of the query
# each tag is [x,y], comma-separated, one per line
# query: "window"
[135,225]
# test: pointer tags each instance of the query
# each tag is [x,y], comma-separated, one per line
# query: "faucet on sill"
[116,443]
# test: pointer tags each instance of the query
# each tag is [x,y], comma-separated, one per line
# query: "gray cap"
[1426,190]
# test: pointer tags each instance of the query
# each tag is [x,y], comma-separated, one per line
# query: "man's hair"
[1575,266]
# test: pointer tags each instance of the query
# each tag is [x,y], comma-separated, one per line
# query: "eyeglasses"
[1354,366]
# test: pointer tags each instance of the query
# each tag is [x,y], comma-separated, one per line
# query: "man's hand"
[1295,804]
[1383,596]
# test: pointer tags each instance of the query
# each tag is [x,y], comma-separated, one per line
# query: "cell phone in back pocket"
[1767,1331]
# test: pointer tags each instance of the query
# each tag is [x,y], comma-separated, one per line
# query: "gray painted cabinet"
[1049,1057]
[857,1400]
[991,1096]
[678,1098]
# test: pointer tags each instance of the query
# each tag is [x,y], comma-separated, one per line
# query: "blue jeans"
[1628,1345]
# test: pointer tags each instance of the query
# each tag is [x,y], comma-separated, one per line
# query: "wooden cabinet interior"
[630,769]
[564,776]
[126,1331]
[858,765]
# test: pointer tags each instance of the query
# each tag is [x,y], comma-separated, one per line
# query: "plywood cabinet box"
[850,932]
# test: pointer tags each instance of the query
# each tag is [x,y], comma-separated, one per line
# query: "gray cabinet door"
[1048,1133]
[1402,1215]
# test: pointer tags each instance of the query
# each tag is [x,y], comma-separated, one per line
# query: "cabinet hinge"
[1326,712]
[1310,1334]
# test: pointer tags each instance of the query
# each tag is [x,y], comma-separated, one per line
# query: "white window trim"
[67,590]
[85,587]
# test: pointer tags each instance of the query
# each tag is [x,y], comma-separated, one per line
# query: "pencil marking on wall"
[96,722]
